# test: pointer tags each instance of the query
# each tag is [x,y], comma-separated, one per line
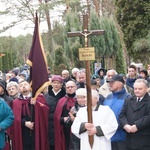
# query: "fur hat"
[57,78]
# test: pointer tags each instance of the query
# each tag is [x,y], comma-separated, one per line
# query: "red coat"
[41,124]
[58,128]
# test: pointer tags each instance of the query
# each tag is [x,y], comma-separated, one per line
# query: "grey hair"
[75,70]
[95,94]
[65,71]
[12,83]
[81,71]
[140,81]
[83,92]
[112,70]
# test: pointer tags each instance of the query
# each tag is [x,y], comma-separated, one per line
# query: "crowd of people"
[58,120]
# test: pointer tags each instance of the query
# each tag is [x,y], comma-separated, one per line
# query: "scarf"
[25,107]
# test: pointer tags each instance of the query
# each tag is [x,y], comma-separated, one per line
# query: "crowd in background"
[57,120]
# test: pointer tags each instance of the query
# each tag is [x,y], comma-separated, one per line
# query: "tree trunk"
[49,28]
[96,4]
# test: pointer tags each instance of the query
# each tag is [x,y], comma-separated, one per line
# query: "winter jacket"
[115,101]
[52,101]
[6,120]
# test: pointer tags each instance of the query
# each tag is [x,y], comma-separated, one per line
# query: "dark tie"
[138,100]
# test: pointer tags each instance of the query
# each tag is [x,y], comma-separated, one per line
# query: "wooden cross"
[85,33]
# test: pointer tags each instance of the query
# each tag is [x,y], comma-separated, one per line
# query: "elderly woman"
[13,89]
[6,120]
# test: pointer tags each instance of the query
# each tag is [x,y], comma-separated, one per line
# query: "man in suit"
[135,117]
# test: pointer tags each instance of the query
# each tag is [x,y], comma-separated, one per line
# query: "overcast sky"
[20,28]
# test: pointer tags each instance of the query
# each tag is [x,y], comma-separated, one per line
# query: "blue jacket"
[115,101]
[6,120]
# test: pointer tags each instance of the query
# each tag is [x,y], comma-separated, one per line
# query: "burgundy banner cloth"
[37,62]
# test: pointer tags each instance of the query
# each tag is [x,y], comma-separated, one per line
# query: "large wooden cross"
[85,33]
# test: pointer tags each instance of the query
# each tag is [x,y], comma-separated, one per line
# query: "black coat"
[52,101]
[138,114]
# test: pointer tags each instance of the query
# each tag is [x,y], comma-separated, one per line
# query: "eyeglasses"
[70,87]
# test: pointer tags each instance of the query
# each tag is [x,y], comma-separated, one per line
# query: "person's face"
[114,86]
[7,77]
[131,72]
[49,72]
[22,77]
[82,100]
[97,81]
[24,87]
[110,74]
[140,89]
[74,74]
[143,75]
[70,87]
[12,91]
[81,77]
[56,85]
[94,87]
[13,75]
[101,73]
[64,75]
[1,90]
[94,101]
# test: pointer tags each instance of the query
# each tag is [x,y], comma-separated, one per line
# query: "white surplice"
[103,117]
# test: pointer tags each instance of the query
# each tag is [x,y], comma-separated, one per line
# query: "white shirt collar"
[139,98]
[56,92]
[27,96]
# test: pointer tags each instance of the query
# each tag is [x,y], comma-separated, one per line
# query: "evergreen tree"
[59,61]
[142,47]
[108,45]
[98,42]
[71,45]
[134,19]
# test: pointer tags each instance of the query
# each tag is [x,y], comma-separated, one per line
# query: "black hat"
[102,69]
[3,84]
[15,72]
[116,78]
[13,79]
